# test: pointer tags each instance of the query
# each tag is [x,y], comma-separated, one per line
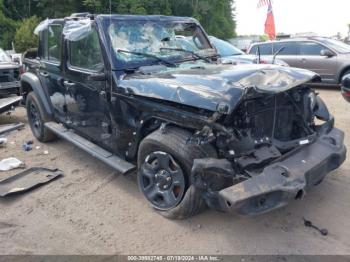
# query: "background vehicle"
[231,54]
[9,75]
[9,83]
[231,137]
[327,57]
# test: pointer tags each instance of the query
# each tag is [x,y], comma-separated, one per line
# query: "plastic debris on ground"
[27,146]
[28,179]
[3,141]
[10,163]
[8,128]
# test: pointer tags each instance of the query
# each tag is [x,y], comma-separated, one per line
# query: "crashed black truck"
[126,89]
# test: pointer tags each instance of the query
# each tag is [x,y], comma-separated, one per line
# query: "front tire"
[165,161]
[37,117]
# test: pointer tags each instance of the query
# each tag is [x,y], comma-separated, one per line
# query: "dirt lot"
[93,210]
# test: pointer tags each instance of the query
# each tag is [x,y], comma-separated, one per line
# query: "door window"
[289,48]
[310,48]
[53,53]
[86,53]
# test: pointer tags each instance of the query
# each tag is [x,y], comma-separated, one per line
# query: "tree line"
[18,18]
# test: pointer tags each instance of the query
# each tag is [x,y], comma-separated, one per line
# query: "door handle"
[68,83]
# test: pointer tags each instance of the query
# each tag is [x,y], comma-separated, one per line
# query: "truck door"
[86,100]
[50,70]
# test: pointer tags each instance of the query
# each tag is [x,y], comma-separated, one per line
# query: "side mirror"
[97,77]
[326,52]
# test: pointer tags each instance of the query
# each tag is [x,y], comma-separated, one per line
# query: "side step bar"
[105,156]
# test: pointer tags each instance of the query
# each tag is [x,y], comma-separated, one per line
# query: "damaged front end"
[274,145]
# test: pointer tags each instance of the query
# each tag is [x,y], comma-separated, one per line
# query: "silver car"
[232,55]
[327,57]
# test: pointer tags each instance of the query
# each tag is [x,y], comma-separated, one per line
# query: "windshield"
[338,46]
[157,39]
[224,48]
[4,57]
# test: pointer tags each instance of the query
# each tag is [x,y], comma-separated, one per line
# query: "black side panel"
[32,80]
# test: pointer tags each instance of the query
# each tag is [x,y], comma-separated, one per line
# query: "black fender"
[30,79]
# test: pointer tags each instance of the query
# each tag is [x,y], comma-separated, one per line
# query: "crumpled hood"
[206,87]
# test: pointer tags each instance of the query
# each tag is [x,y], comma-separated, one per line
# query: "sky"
[326,18]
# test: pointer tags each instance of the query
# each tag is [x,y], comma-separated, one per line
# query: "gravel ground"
[93,210]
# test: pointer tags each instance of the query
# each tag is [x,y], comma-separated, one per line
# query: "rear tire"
[37,117]
[172,145]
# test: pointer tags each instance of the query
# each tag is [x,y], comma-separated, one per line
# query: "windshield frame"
[104,21]
[4,54]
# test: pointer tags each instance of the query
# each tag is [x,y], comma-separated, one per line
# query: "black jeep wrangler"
[131,91]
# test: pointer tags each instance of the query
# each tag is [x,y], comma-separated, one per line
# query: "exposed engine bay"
[262,130]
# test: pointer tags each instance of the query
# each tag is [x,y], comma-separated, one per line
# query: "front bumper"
[9,87]
[288,179]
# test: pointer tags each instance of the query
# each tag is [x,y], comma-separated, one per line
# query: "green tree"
[24,37]
[216,16]
[7,31]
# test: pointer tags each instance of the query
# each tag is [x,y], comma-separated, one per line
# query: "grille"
[260,119]
[9,75]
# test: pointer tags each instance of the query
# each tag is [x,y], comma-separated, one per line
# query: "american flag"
[264,3]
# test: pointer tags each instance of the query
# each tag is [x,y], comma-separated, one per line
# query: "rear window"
[290,48]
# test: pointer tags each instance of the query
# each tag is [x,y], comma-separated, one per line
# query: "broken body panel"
[261,119]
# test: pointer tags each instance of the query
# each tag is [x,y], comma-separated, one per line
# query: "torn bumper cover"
[281,181]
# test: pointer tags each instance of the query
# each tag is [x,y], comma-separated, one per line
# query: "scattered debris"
[27,146]
[308,223]
[3,141]
[8,128]
[10,163]
[27,180]
[46,152]
[37,147]
[29,142]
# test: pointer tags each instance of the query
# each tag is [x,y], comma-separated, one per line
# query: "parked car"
[231,54]
[199,133]
[9,83]
[327,57]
